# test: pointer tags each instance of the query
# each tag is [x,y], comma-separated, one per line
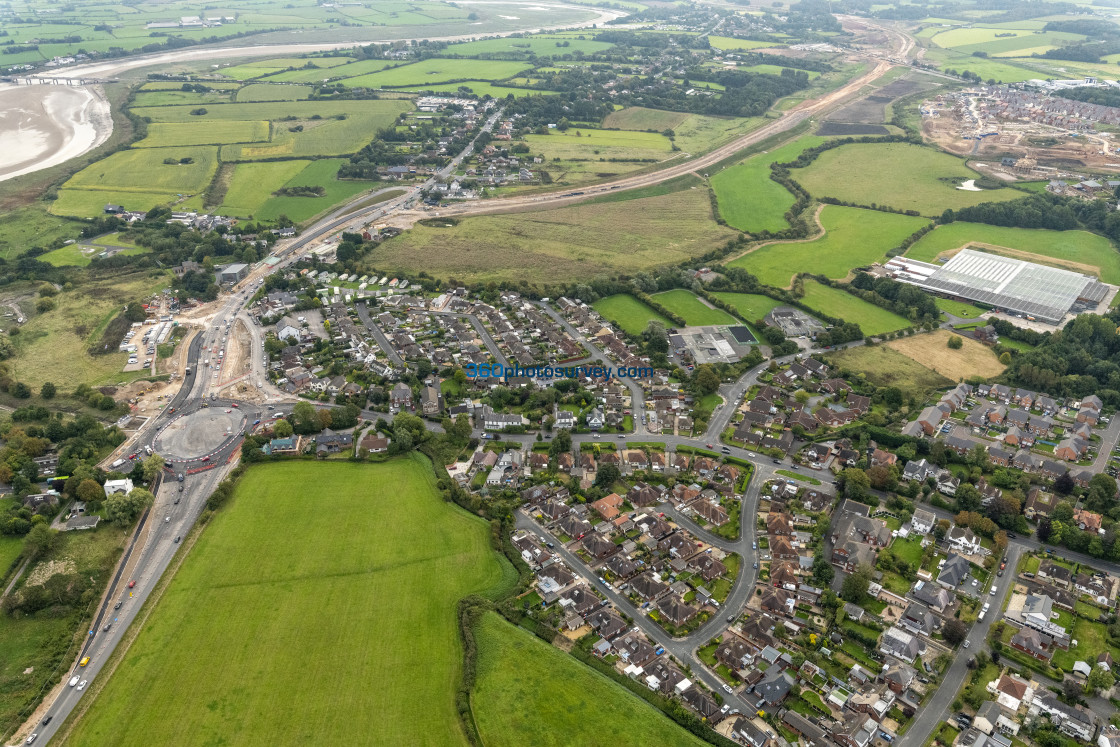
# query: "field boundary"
[1040,259]
[771,242]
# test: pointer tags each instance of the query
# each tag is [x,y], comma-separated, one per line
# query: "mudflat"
[45,125]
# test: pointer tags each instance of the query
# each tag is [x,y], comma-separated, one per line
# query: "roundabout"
[194,436]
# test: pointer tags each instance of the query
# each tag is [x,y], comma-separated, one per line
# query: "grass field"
[528,692]
[727,42]
[959,308]
[482,88]
[253,184]
[595,144]
[90,203]
[886,367]
[901,175]
[695,312]
[143,170]
[833,302]
[641,118]
[852,238]
[164,134]
[562,244]
[930,350]
[437,71]
[343,637]
[269,92]
[998,70]
[750,306]
[32,226]
[54,346]
[317,173]
[1083,249]
[177,98]
[628,312]
[1021,43]
[80,255]
[544,45]
[748,199]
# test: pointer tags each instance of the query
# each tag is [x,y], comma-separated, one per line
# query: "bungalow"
[735,653]
[673,609]
[598,546]
[647,587]
[608,506]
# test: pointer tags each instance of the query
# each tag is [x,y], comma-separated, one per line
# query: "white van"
[74,680]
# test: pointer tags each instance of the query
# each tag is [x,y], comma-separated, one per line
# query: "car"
[999,573]
[754,545]
[777,461]
[206,459]
[117,606]
[709,446]
[234,405]
[975,582]
[228,410]
[621,436]
[33,737]
[167,520]
[967,644]
[731,618]
[992,592]
[106,628]
[550,545]
[82,684]
[178,538]
[47,720]
[74,680]
[756,566]
[1012,535]
[131,584]
[727,689]
[725,708]
[177,501]
[84,661]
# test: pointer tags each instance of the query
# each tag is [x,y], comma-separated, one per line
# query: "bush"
[955,342]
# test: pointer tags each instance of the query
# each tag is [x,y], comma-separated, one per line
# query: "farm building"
[1031,290]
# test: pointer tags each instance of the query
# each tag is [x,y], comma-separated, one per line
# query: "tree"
[1099,679]
[954,631]
[607,475]
[90,491]
[325,419]
[122,509]
[43,305]
[1071,688]
[40,541]
[801,396]
[282,429]
[855,481]
[1064,484]
[560,444]
[152,467]
[304,419]
[855,585]
[706,380]
[1005,358]
[955,342]
[48,390]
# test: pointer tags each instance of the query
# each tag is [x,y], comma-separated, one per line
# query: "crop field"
[751,306]
[436,70]
[1021,43]
[834,302]
[692,309]
[562,244]
[748,199]
[640,118]
[930,350]
[903,176]
[55,346]
[629,313]
[1080,251]
[700,133]
[853,238]
[167,134]
[528,692]
[727,42]
[886,367]
[272,92]
[317,173]
[253,184]
[339,637]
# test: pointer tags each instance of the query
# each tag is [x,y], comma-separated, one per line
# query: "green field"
[628,312]
[344,69]
[903,176]
[988,69]
[179,98]
[283,627]
[727,42]
[751,306]
[143,170]
[562,244]
[80,255]
[1021,43]
[959,308]
[695,312]
[164,134]
[748,199]
[317,173]
[1079,247]
[253,184]
[530,693]
[90,203]
[834,302]
[542,46]
[437,71]
[595,144]
[640,118]
[482,88]
[852,238]
[270,92]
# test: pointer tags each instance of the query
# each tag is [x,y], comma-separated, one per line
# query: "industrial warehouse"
[1026,289]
